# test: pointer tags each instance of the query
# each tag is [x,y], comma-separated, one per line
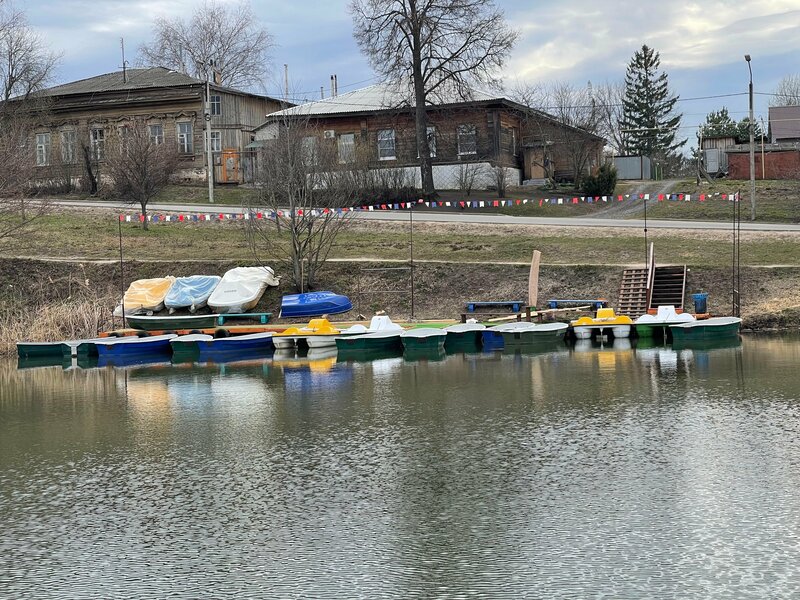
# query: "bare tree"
[26,67]
[440,47]
[565,121]
[139,166]
[787,92]
[221,42]
[303,181]
[608,103]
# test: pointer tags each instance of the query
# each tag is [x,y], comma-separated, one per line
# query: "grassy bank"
[93,235]
[44,300]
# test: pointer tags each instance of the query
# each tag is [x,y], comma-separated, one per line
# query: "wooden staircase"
[633,293]
[669,287]
[643,289]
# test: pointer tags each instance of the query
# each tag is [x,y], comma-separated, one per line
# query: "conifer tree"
[649,121]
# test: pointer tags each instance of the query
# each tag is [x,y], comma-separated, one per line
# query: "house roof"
[389,96]
[377,97]
[784,122]
[136,79]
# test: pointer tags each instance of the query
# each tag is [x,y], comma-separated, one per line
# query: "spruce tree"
[649,121]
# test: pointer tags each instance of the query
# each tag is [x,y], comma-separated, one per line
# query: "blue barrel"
[700,303]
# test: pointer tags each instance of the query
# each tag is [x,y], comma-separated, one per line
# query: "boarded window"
[309,147]
[467,139]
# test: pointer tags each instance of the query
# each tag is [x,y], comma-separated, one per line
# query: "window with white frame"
[216,105]
[156,134]
[346,145]
[309,148]
[69,140]
[216,141]
[42,149]
[97,138]
[467,139]
[386,147]
[185,141]
[431,134]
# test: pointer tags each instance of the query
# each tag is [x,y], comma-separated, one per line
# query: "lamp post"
[752,146]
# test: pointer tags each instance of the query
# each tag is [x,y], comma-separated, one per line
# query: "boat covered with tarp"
[191,292]
[241,288]
[145,295]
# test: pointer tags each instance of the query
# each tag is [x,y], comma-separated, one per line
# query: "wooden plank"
[533,278]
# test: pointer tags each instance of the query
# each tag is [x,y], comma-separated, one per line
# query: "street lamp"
[752,146]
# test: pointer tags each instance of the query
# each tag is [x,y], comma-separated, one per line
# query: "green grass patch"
[95,236]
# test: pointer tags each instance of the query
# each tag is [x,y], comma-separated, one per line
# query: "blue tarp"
[191,292]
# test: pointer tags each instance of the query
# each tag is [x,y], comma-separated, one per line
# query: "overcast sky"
[702,44]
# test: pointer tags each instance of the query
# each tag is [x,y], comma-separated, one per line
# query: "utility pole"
[752,147]
[209,156]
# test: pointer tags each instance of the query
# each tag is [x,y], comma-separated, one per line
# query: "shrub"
[601,183]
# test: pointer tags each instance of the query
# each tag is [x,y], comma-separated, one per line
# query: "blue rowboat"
[129,346]
[251,343]
[314,304]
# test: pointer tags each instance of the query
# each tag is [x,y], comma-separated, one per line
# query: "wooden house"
[475,135]
[172,104]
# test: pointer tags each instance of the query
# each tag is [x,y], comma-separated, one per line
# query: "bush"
[601,183]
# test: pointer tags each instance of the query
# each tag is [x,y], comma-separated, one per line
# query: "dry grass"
[72,319]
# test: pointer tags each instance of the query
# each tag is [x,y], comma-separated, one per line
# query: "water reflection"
[465,475]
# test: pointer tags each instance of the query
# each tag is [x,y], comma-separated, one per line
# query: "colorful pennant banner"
[461,204]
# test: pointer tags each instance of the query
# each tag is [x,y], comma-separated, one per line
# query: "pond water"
[586,471]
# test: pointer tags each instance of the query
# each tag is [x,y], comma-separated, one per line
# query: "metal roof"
[380,96]
[136,79]
[784,122]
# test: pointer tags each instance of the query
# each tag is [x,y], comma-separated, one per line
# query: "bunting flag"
[405,206]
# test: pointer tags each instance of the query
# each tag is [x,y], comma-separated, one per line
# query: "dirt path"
[621,210]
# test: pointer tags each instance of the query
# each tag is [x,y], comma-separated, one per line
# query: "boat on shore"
[241,288]
[605,321]
[657,325]
[534,333]
[191,292]
[145,295]
[314,304]
[702,330]
[130,345]
[423,338]
[171,322]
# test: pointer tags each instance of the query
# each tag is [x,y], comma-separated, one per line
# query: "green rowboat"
[715,328]
[423,338]
[171,322]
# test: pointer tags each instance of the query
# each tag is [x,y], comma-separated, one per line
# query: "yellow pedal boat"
[291,335]
[605,319]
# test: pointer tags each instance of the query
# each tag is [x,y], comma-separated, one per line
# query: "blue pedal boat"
[134,346]
[314,304]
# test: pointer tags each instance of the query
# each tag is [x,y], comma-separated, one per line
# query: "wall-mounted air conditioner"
[330,134]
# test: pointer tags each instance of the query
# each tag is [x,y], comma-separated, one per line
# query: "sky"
[702,44]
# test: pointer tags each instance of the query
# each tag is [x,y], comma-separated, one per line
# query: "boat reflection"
[425,355]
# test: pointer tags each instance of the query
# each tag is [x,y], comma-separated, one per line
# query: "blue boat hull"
[231,344]
[314,304]
[142,347]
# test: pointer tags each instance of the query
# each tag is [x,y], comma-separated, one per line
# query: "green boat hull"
[701,333]
[367,344]
[530,338]
[39,350]
[415,344]
[652,331]
[464,339]
[172,323]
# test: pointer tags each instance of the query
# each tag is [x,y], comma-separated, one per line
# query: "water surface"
[616,472]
